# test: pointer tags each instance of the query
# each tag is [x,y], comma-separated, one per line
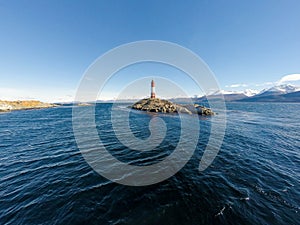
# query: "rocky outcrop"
[165,106]
[20,105]
[83,104]
[201,110]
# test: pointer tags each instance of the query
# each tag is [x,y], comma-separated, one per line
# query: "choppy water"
[254,179]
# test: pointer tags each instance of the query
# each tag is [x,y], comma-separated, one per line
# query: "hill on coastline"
[6,106]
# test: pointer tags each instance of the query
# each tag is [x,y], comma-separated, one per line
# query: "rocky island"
[154,104]
[6,106]
[165,106]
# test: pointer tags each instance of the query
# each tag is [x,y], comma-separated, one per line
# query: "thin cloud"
[236,85]
[264,84]
[291,77]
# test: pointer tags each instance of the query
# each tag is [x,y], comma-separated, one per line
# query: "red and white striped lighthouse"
[152,89]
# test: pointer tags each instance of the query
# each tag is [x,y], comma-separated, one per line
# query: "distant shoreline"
[8,106]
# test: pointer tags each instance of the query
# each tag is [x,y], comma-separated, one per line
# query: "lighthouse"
[152,89]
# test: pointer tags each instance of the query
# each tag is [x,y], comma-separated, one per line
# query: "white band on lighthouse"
[153,90]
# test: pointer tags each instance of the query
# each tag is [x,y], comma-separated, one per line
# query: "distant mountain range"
[279,93]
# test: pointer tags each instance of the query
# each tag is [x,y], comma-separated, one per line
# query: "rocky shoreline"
[165,106]
[7,106]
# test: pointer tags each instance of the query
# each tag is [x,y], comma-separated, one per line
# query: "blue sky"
[45,46]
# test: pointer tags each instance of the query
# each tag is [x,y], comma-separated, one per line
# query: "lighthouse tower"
[152,89]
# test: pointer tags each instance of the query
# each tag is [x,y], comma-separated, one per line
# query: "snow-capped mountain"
[225,95]
[280,89]
[279,93]
[247,92]
[250,92]
[224,92]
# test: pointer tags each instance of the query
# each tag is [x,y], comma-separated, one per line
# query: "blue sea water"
[254,179]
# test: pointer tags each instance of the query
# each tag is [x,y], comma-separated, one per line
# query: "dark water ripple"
[254,179]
